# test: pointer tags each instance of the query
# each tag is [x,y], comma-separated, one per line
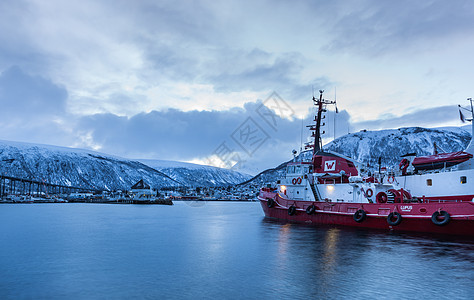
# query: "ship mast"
[321,105]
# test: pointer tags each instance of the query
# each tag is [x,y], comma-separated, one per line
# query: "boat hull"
[415,217]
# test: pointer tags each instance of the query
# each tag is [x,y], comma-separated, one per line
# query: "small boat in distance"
[431,194]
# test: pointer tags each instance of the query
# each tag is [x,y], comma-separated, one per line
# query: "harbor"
[20,190]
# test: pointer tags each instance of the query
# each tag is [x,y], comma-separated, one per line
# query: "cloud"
[198,135]
[171,134]
[33,108]
[148,49]
[258,70]
[379,27]
[430,117]
[24,97]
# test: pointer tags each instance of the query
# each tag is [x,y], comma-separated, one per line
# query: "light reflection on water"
[330,249]
[219,250]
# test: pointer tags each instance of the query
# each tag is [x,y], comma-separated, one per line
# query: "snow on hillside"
[196,175]
[368,146]
[75,167]
[94,170]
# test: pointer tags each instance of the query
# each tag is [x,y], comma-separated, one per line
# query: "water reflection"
[284,235]
[333,262]
[330,249]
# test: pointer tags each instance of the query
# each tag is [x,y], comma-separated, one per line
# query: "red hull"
[415,217]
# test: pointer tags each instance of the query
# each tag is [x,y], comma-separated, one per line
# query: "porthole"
[463,179]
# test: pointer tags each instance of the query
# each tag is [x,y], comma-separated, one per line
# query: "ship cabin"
[294,186]
[332,168]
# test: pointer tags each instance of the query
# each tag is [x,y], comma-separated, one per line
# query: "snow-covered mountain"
[265,177]
[94,170]
[367,146]
[196,175]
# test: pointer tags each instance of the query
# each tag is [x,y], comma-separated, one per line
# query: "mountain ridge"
[95,170]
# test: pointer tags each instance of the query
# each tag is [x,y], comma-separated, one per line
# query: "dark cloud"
[176,135]
[377,27]
[255,70]
[186,21]
[258,70]
[32,109]
[192,42]
[23,96]
[423,118]
[162,134]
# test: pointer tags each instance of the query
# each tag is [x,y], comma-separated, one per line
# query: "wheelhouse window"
[463,179]
[429,182]
[298,169]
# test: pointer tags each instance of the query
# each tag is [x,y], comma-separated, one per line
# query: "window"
[298,169]
[463,179]
[429,182]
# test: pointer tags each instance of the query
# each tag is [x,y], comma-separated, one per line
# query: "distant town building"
[141,190]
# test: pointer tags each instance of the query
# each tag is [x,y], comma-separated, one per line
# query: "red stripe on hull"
[416,217]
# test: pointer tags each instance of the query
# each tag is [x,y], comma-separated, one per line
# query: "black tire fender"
[359,216]
[397,216]
[270,202]
[444,221]
[311,209]
[291,210]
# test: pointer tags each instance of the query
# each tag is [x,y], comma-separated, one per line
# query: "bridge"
[22,186]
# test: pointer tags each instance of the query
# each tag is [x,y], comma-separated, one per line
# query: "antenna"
[472,109]
[301,141]
[335,112]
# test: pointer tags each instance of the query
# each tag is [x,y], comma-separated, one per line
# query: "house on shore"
[142,191]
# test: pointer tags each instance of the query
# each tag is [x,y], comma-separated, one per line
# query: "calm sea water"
[218,250]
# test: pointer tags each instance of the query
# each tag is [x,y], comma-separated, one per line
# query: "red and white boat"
[423,194]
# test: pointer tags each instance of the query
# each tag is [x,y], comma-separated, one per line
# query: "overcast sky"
[184,80]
